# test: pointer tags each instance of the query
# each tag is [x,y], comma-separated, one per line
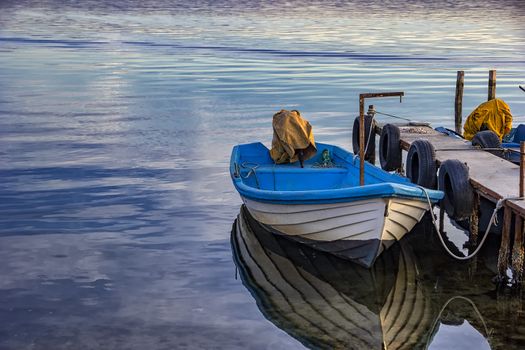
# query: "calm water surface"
[116,124]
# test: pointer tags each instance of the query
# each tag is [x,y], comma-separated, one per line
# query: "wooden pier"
[492,178]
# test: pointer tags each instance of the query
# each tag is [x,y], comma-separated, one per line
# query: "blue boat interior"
[256,176]
[258,170]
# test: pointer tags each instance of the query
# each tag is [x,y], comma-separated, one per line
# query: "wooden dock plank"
[492,176]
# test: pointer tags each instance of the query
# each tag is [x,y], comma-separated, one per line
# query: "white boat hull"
[358,230]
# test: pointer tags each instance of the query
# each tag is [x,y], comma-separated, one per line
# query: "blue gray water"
[116,123]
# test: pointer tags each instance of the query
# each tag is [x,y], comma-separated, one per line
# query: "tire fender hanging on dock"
[389,148]
[369,135]
[454,182]
[421,164]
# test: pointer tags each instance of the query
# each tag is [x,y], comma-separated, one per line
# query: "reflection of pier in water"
[401,303]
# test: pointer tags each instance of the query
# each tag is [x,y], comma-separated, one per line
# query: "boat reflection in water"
[410,299]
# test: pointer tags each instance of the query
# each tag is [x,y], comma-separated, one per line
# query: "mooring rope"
[252,167]
[394,116]
[368,140]
[372,128]
[492,221]
[369,134]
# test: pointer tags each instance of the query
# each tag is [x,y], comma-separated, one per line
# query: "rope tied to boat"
[252,167]
[493,221]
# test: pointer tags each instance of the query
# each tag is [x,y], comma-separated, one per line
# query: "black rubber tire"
[389,148]
[487,139]
[371,150]
[421,164]
[454,181]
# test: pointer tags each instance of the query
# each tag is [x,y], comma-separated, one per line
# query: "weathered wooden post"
[361,139]
[492,85]
[522,168]
[503,258]
[371,112]
[362,127]
[458,104]
[517,250]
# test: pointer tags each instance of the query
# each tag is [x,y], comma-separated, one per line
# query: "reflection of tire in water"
[326,302]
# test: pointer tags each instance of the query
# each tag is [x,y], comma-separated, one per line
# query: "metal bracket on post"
[362,98]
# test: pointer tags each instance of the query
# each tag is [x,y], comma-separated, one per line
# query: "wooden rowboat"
[324,206]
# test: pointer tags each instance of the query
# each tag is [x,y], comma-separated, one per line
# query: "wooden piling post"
[503,257]
[361,140]
[492,85]
[522,168]
[517,250]
[458,104]
[362,127]
[371,112]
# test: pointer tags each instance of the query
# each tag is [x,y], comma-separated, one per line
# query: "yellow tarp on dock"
[492,115]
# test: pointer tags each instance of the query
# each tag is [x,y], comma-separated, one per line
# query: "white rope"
[369,137]
[394,116]
[492,221]
[369,134]
[252,168]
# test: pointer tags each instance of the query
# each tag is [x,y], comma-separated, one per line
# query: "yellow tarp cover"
[291,133]
[492,115]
